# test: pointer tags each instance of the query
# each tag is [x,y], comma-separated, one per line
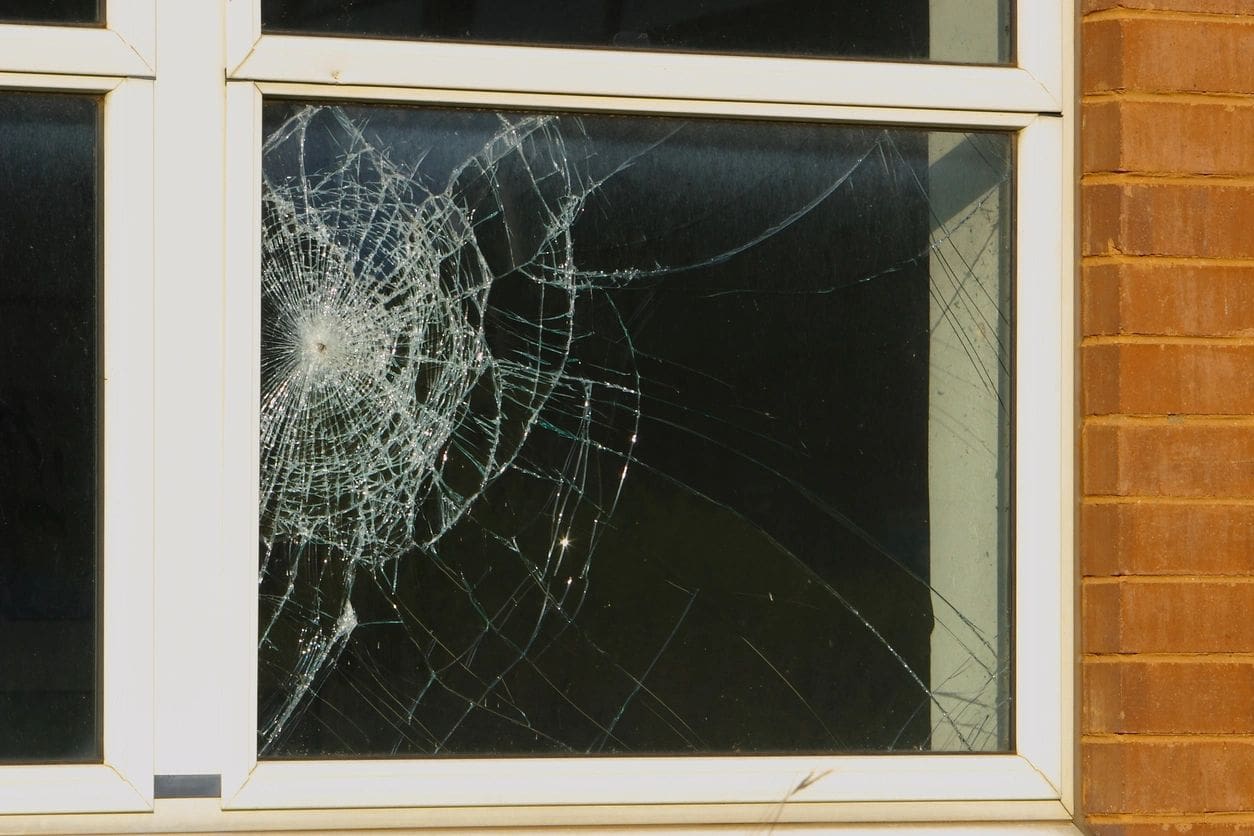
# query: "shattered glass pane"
[49,428]
[52,11]
[600,434]
[963,31]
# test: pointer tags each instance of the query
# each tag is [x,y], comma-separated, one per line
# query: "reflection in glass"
[49,429]
[52,11]
[962,31]
[609,434]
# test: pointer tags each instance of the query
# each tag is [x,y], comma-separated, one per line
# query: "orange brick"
[1176,826]
[1154,538]
[1142,775]
[1168,299]
[1168,137]
[1168,219]
[1219,7]
[1172,378]
[1168,54]
[1184,616]
[1101,51]
[1101,219]
[1154,459]
[1101,145]
[1131,696]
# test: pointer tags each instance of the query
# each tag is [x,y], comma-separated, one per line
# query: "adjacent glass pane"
[49,428]
[589,434]
[964,31]
[52,11]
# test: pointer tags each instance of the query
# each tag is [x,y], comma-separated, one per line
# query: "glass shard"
[592,434]
[49,428]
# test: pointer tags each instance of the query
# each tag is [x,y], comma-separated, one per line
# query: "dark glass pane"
[52,11]
[49,428]
[610,434]
[969,31]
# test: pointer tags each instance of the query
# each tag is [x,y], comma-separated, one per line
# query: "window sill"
[931,819]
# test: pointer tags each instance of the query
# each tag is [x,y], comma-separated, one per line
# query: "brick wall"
[1167,370]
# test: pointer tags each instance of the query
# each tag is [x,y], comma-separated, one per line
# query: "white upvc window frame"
[1034,85]
[200,314]
[1035,784]
[115,63]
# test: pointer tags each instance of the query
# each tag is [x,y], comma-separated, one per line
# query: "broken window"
[608,434]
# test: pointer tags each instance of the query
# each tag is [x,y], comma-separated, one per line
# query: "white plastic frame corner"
[124,46]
